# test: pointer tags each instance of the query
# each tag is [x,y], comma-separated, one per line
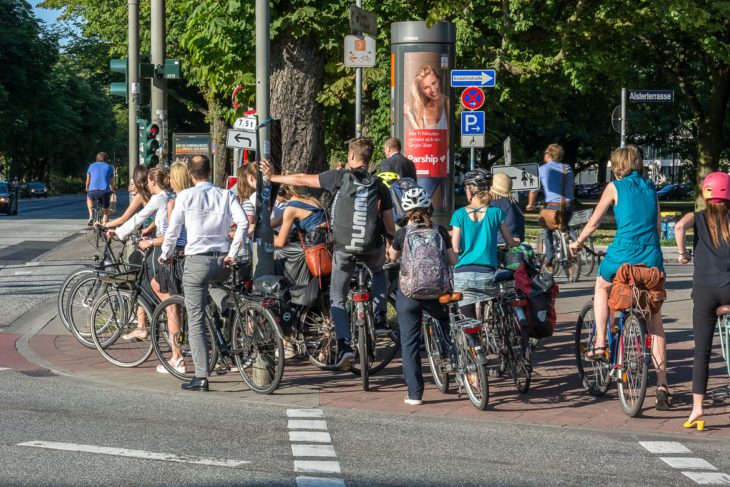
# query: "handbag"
[555,219]
[319,256]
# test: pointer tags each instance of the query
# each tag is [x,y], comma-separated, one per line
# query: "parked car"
[8,199]
[676,192]
[34,189]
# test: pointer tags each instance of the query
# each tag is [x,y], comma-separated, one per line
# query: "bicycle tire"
[588,259]
[473,374]
[387,345]
[593,375]
[635,367]
[363,351]
[80,302]
[573,262]
[520,360]
[161,341]
[113,316]
[318,335]
[260,361]
[65,291]
[440,378]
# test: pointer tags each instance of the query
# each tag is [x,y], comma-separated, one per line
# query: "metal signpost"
[639,96]
[361,21]
[525,177]
[463,78]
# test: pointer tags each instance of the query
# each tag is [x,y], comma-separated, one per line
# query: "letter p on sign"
[472,123]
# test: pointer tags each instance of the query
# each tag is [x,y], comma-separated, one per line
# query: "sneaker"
[413,402]
[178,365]
[345,356]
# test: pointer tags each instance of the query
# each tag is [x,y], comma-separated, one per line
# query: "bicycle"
[97,215]
[564,261]
[723,329]
[457,351]
[505,333]
[125,306]
[256,343]
[627,357]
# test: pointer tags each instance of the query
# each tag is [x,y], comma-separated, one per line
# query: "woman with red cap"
[711,280]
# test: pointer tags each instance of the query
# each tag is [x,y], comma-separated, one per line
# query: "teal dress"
[637,237]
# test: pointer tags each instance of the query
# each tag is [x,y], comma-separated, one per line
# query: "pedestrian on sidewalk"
[638,227]
[430,259]
[207,212]
[711,278]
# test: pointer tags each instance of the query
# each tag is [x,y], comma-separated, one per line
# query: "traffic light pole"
[133,83]
[358,94]
[263,252]
[158,91]
[623,117]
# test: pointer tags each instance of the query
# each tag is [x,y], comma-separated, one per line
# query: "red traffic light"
[151,131]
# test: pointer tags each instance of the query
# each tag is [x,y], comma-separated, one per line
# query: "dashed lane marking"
[709,478]
[664,447]
[310,436]
[308,466]
[312,445]
[313,450]
[307,424]
[688,462]
[123,452]
[305,413]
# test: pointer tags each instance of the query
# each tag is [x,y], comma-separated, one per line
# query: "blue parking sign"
[472,123]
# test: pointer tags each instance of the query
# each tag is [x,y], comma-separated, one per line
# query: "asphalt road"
[369,448]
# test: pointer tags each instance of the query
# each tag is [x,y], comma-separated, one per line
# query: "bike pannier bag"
[541,292]
[424,271]
[356,213]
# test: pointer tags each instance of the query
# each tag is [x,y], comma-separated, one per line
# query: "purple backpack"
[424,271]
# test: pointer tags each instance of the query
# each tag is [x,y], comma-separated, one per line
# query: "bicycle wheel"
[318,334]
[474,374]
[435,361]
[78,308]
[571,262]
[258,348]
[520,360]
[587,259]
[386,344]
[634,366]
[490,337]
[64,293]
[115,315]
[363,350]
[166,337]
[594,375]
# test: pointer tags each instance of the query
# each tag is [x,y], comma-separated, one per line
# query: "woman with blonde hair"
[428,107]
[638,226]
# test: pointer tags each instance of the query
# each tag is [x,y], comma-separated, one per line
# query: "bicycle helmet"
[388,178]
[415,198]
[716,187]
[480,178]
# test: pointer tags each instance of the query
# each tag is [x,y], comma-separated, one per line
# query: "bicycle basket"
[119,274]
[580,218]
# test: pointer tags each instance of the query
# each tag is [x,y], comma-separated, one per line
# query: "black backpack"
[356,213]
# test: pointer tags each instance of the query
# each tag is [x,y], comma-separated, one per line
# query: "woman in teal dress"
[636,209]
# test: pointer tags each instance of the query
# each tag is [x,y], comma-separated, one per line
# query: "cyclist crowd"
[373,219]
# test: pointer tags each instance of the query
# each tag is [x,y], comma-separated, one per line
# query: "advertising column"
[421,105]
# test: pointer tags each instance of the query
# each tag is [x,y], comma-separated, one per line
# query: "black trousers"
[706,300]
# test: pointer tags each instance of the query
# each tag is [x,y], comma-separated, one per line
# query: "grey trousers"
[200,272]
[342,267]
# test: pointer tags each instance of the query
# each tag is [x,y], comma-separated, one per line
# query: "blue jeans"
[410,320]
[548,234]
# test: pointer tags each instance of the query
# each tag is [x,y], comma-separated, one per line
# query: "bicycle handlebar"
[600,253]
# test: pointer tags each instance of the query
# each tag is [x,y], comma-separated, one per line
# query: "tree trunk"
[297,72]
[218,141]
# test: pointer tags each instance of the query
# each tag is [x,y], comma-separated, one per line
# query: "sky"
[46,15]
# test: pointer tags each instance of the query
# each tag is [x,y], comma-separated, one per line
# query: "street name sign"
[464,78]
[651,96]
[363,21]
[241,139]
[472,98]
[472,123]
[472,141]
[525,177]
[507,145]
[359,51]
[247,124]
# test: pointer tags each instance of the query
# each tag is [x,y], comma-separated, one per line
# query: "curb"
[37,318]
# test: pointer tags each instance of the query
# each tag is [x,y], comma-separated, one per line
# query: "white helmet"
[415,197]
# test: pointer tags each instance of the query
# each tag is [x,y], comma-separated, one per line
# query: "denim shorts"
[475,286]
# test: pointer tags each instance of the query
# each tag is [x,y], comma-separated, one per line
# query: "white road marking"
[23,273]
[305,413]
[307,424]
[34,263]
[709,478]
[319,482]
[310,436]
[4,368]
[298,450]
[306,466]
[688,462]
[664,447]
[123,452]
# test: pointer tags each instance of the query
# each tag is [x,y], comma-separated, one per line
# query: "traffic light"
[151,145]
[119,89]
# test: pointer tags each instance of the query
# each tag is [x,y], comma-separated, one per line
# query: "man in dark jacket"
[395,161]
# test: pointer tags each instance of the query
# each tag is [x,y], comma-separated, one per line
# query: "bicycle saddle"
[723,310]
[270,285]
[503,275]
[450,298]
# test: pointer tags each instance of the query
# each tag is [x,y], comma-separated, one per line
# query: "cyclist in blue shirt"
[99,185]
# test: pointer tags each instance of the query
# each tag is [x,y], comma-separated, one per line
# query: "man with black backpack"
[362,219]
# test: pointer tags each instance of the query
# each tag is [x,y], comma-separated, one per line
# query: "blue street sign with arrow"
[486,78]
[472,123]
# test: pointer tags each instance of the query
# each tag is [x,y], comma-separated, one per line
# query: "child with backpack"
[426,255]
[474,237]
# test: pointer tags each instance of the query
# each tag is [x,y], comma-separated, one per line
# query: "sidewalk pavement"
[555,397]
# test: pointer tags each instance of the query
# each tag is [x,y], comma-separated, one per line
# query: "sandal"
[596,353]
[136,334]
[663,398]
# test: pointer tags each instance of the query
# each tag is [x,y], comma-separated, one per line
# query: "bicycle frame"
[723,328]
[615,345]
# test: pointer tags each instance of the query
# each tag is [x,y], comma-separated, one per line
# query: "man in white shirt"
[207,212]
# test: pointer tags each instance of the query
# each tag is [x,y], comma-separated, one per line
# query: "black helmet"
[480,178]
